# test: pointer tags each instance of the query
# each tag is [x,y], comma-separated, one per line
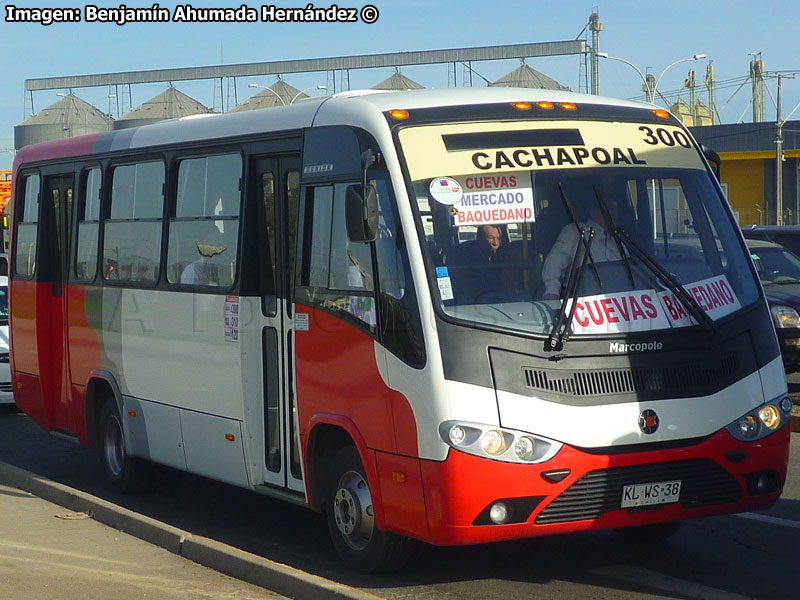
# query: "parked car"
[779,271]
[6,391]
[787,236]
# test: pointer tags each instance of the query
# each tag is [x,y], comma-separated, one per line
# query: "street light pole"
[650,90]
[263,87]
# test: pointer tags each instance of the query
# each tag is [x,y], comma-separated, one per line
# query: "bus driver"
[603,249]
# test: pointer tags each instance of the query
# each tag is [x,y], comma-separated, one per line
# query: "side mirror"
[361,205]
[361,213]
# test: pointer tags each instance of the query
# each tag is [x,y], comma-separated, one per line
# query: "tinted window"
[132,236]
[27,227]
[88,225]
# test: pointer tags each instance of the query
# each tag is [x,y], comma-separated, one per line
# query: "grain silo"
[169,104]
[525,77]
[397,83]
[68,117]
[279,93]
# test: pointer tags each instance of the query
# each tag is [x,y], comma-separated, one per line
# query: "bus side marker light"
[398,477]
[132,414]
[521,105]
[555,476]
[230,437]
[661,113]
[545,105]
[19,385]
[398,114]
[568,105]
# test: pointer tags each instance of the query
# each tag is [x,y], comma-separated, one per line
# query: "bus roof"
[369,104]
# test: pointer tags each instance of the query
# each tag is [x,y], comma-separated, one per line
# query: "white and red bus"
[304,301]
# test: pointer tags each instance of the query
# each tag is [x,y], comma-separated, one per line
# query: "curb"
[279,578]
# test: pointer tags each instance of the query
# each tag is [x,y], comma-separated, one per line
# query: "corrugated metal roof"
[747,137]
[397,82]
[525,77]
[169,104]
[279,93]
[70,110]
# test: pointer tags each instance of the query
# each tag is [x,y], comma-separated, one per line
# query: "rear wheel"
[125,473]
[649,533]
[351,519]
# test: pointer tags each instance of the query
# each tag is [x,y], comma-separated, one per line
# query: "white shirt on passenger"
[555,270]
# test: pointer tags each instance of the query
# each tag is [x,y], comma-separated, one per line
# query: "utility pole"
[757,79]
[779,161]
[710,87]
[595,26]
[690,82]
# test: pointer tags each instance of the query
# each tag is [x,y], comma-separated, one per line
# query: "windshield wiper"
[672,282]
[612,227]
[560,332]
[581,239]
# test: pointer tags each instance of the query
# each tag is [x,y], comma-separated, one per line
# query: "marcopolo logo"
[648,421]
[637,347]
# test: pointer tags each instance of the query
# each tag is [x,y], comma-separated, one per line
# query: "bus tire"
[644,534]
[123,472]
[351,523]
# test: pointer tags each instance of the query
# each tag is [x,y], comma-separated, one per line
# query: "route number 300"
[664,136]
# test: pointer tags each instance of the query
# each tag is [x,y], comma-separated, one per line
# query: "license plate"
[647,494]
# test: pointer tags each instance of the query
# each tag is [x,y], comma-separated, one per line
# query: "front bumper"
[719,474]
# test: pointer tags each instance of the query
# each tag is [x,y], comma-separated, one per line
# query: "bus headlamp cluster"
[497,443]
[763,421]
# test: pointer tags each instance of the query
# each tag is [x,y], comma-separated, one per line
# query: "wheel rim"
[114,446]
[352,509]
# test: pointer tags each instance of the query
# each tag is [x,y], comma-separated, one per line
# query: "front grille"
[703,483]
[6,387]
[604,382]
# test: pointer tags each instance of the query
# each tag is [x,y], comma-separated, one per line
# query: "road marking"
[770,520]
[665,583]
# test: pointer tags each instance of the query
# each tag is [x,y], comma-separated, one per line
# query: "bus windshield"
[524,220]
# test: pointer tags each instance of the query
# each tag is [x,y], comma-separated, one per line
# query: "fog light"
[770,416]
[457,434]
[749,427]
[499,513]
[492,442]
[786,405]
[525,448]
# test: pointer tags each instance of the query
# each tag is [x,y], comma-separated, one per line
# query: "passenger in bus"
[484,249]
[604,248]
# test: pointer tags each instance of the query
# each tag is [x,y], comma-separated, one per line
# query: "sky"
[649,35]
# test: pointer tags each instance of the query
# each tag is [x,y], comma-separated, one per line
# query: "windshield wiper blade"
[612,228]
[581,239]
[674,285]
[560,332]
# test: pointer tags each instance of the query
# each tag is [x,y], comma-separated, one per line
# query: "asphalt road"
[742,556]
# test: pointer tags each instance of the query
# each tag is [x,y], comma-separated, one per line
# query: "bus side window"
[132,234]
[204,228]
[335,273]
[88,225]
[27,217]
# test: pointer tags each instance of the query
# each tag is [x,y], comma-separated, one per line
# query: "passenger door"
[277,180]
[56,243]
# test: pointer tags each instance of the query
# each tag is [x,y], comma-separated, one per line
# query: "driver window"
[335,273]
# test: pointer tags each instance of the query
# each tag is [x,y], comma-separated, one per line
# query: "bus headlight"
[493,442]
[770,416]
[497,443]
[761,422]
[525,448]
[784,316]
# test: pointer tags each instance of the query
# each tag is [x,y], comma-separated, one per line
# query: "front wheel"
[123,472]
[351,519]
